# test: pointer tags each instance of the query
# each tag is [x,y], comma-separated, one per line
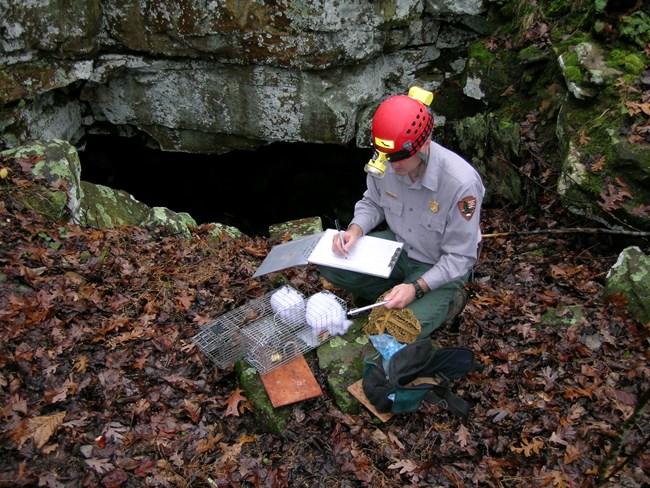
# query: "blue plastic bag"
[386,345]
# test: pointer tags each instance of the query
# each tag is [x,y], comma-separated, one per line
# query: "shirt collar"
[431,177]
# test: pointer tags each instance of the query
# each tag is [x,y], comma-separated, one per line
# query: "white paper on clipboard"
[371,255]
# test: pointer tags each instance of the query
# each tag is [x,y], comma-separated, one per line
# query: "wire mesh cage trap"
[271,331]
[221,339]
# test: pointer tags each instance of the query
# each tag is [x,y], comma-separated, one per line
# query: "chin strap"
[424,158]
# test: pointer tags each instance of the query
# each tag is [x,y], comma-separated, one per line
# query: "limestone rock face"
[208,77]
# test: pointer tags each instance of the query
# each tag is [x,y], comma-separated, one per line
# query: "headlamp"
[377,165]
[424,96]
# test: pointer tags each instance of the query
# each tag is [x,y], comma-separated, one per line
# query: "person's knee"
[427,328]
[327,273]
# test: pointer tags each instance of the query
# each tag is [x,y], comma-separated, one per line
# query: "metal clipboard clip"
[393,260]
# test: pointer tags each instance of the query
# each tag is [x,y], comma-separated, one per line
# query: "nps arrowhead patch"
[467,207]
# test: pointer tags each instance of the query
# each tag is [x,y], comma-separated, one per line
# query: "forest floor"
[101,384]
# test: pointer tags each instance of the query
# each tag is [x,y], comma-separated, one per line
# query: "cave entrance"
[250,190]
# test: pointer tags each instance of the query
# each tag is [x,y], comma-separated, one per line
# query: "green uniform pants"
[430,310]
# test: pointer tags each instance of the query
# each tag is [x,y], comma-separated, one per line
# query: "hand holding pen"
[342,242]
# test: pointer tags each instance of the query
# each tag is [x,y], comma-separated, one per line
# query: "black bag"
[415,373]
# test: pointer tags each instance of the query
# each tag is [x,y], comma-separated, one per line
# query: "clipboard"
[371,255]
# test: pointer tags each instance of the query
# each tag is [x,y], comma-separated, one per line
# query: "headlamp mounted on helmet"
[400,127]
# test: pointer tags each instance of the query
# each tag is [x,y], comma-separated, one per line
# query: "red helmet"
[400,127]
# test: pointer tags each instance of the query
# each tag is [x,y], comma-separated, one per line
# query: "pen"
[338,229]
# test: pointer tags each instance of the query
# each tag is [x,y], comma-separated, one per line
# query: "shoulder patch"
[467,207]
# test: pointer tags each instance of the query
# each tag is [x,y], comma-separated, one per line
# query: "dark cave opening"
[250,190]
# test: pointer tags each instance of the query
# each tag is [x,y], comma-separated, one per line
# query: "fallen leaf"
[528,448]
[572,454]
[636,108]
[81,363]
[40,429]
[185,299]
[395,440]
[114,431]
[193,410]
[560,480]
[100,465]
[463,435]
[231,453]
[499,414]
[232,409]
[556,438]
[114,479]
[404,466]
[598,166]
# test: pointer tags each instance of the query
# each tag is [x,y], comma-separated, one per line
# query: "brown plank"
[290,383]
[356,389]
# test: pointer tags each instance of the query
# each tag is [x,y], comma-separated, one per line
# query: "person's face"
[406,166]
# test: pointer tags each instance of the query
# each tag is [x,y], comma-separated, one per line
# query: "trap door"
[290,383]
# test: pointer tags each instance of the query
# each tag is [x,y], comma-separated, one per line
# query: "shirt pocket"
[433,222]
[391,205]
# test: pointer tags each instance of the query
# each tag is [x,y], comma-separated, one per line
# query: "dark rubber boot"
[456,307]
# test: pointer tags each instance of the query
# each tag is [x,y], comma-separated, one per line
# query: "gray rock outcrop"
[211,77]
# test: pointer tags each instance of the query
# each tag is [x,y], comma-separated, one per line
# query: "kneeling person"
[430,198]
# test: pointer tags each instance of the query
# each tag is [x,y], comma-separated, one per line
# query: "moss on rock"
[629,278]
[269,418]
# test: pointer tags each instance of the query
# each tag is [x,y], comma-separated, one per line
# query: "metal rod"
[355,311]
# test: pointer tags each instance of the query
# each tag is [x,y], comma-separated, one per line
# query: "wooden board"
[291,383]
[356,389]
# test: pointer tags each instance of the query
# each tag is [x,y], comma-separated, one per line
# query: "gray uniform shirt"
[437,217]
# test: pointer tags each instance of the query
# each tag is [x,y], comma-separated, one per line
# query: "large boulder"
[605,168]
[628,282]
[54,168]
[56,190]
